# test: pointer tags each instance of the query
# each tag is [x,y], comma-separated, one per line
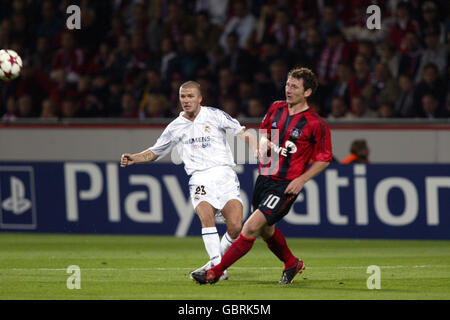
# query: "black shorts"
[270,199]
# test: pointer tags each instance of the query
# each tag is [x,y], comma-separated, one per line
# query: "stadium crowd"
[130,57]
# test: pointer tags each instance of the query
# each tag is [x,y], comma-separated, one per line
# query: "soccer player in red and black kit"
[297,147]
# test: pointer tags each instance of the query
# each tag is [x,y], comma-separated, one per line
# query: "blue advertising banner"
[345,201]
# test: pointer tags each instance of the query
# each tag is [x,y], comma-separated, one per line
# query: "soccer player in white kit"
[199,133]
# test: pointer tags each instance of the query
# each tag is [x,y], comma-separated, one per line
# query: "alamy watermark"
[374,20]
[74,20]
[374,281]
[74,280]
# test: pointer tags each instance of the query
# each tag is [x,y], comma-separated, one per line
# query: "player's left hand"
[295,186]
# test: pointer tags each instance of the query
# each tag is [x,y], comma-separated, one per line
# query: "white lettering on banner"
[333,182]
[382,210]
[361,201]
[153,203]
[184,208]
[153,195]
[432,185]
[113,192]
[95,190]
[312,215]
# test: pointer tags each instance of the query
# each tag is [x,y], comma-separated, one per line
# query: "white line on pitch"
[243,268]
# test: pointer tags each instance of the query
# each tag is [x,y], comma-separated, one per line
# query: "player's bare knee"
[250,230]
[234,229]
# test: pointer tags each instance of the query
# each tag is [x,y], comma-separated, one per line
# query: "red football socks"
[238,249]
[277,244]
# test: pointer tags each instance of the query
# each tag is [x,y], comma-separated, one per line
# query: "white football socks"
[225,243]
[212,244]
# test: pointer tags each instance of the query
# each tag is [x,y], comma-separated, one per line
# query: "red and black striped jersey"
[297,140]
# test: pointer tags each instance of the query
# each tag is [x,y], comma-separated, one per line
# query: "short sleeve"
[267,120]
[164,143]
[322,147]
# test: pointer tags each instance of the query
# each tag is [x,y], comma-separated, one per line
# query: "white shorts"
[216,186]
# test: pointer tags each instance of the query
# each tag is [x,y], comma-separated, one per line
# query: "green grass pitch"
[34,266]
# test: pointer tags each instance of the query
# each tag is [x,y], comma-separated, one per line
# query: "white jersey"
[201,143]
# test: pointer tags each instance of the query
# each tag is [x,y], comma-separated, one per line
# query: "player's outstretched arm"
[251,140]
[127,159]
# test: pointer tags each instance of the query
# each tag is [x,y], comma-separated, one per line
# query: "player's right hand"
[126,160]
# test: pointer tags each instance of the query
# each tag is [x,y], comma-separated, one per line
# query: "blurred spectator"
[113,106]
[176,24]
[360,109]
[382,88]
[48,109]
[117,30]
[256,108]
[155,106]
[69,58]
[238,60]
[206,33]
[430,20]
[42,58]
[230,106]
[273,88]
[389,55]
[25,107]
[434,53]
[120,60]
[11,114]
[431,108]
[242,22]
[340,87]
[359,152]
[217,9]
[245,94]
[191,61]
[51,24]
[412,53]
[208,91]
[403,23]
[339,110]
[99,63]
[335,51]
[140,51]
[175,84]
[386,110]
[70,109]
[19,29]
[227,85]
[283,30]
[404,105]
[360,78]
[168,59]
[367,49]
[431,83]
[309,49]
[329,20]
[265,20]
[129,106]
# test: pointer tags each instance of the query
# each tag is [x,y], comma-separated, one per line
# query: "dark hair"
[358,145]
[309,78]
